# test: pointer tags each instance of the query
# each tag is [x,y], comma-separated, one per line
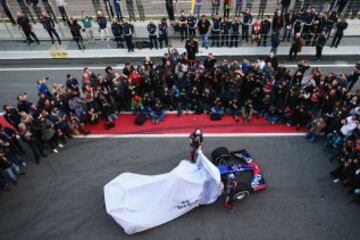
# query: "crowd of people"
[306,27]
[327,104]
[311,22]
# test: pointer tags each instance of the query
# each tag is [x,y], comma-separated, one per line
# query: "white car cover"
[139,202]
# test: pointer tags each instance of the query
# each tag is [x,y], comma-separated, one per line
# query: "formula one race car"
[240,163]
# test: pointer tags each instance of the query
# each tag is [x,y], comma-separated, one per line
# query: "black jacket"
[151,28]
[203,26]
[265,27]
[117,29]
[47,22]
[340,27]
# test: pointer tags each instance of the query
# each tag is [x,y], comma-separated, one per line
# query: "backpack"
[215,117]
[140,119]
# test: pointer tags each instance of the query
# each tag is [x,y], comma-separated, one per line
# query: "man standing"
[183,25]
[117,31]
[49,26]
[151,28]
[163,33]
[215,31]
[25,25]
[225,32]
[235,32]
[118,12]
[296,46]
[102,22]
[192,25]
[320,43]
[264,30]
[191,47]
[354,76]
[247,19]
[340,28]
[87,23]
[203,27]
[61,6]
[128,33]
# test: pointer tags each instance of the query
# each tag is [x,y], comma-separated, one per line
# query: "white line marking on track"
[121,67]
[182,135]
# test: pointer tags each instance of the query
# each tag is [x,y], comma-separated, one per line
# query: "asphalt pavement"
[62,198]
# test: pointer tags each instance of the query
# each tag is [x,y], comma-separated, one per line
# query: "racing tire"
[220,155]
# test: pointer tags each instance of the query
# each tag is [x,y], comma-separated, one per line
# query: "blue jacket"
[102,22]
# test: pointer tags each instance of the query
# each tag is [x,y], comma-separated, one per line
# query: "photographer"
[353,78]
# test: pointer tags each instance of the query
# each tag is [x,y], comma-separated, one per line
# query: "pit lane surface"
[19,78]
[62,198]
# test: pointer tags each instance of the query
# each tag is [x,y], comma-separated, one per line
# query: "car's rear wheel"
[220,155]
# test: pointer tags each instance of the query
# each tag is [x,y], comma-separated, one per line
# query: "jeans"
[158,116]
[129,42]
[163,37]
[311,136]
[287,33]
[153,41]
[112,117]
[53,32]
[274,50]
[11,172]
[205,40]
[197,11]
[337,39]
[183,32]
[17,160]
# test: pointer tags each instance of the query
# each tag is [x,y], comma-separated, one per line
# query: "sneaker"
[60,145]
[55,150]
[336,180]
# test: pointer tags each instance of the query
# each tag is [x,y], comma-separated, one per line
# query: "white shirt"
[60,3]
[350,125]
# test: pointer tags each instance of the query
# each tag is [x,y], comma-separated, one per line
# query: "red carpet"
[185,124]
